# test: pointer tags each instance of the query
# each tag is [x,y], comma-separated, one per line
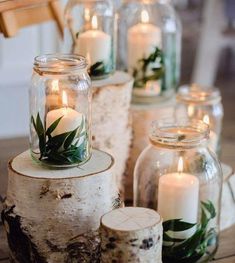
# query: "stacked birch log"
[54,215]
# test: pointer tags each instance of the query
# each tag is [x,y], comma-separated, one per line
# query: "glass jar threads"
[202,103]
[179,177]
[149,46]
[60,110]
[91,24]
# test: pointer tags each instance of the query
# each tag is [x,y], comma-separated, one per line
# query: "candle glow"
[94,22]
[144,16]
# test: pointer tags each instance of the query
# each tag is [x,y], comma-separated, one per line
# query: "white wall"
[16,61]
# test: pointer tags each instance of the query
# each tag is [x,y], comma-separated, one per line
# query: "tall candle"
[143,38]
[178,197]
[94,44]
[70,120]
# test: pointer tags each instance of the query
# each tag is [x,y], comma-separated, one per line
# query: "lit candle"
[143,38]
[94,44]
[70,120]
[213,138]
[178,197]
[53,98]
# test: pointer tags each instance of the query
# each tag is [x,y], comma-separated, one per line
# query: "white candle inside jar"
[94,44]
[71,119]
[143,38]
[178,197]
[213,138]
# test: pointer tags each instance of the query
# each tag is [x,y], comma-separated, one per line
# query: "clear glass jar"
[202,103]
[149,47]
[91,26]
[179,177]
[60,110]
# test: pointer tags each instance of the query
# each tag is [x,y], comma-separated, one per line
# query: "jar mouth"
[198,94]
[179,134]
[59,63]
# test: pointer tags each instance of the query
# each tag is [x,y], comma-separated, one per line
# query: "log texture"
[111,125]
[142,117]
[54,215]
[131,234]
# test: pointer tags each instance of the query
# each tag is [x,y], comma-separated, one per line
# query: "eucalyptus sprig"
[62,148]
[97,69]
[140,72]
[192,249]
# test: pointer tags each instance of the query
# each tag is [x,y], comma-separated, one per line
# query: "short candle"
[94,44]
[178,197]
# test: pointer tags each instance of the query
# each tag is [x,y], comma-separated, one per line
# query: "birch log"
[111,126]
[131,234]
[53,216]
[142,117]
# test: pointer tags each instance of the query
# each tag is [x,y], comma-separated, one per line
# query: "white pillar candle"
[70,121]
[94,44]
[143,38]
[178,197]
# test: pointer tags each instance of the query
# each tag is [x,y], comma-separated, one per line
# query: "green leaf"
[98,69]
[210,208]
[53,126]
[39,125]
[176,225]
[57,141]
[70,138]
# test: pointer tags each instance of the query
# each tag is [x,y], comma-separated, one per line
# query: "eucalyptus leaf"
[53,126]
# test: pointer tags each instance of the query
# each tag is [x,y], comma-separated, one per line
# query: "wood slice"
[111,125]
[131,234]
[142,117]
[52,215]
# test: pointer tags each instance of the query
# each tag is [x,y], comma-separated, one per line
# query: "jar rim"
[179,134]
[58,64]
[198,94]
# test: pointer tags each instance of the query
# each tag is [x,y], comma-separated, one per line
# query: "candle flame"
[180,165]
[144,16]
[94,22]
[87,14]
[206,119]
[190,110]
[64,99]
[55,85]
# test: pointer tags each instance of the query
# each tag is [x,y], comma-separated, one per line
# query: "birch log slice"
[131,234]
[142,117]
[111,126]
[53,215]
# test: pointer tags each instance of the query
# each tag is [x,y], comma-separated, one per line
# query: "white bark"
[131,234]
[111,126]
[142,117]
[57,212]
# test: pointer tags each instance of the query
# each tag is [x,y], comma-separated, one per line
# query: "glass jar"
[60,110]
[149,47]
[91,26]
[202,103]
[180,178]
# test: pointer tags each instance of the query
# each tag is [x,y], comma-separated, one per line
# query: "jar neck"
[59,64]
[198,95]
[179,135]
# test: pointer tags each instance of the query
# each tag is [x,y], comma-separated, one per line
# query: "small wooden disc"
[130,219]
[24,165]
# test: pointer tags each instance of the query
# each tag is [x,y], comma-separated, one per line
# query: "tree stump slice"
[53,215]
[142,117]
[111,125]
[131,234]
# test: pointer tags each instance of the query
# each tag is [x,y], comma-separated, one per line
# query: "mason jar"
[202,103]
[180,178]
[60,110]
[149,47]
[90,24]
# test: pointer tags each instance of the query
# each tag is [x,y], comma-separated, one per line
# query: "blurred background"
[208,57]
